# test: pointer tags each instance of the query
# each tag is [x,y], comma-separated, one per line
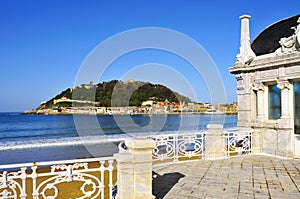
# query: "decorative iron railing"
[85,178]
[238,143]
[176,146]
[187,146]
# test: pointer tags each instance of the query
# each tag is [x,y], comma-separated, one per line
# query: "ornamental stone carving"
[290,44]
[258,87]
[283,85]
[240,82]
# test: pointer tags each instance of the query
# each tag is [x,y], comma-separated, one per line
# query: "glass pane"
[297,107]
[274,102]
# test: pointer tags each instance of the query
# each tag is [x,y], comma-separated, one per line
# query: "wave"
[57,142]
[85,140]
[72,141]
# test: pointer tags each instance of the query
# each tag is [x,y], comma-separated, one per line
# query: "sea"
[35,138]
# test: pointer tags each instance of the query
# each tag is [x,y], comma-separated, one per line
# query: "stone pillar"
[259,88]
[284,86]
[284,146]
[244,95]
[135,169]
[125,175]
[246,53]
[256,141]
[260,104]
[285,128]
[215,142]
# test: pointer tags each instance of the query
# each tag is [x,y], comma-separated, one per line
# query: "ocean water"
[35,138]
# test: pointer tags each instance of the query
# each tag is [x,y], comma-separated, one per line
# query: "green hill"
[114,94]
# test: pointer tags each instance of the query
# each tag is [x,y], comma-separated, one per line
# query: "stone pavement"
[249,176]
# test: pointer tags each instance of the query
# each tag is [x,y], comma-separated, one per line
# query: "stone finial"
[246,55]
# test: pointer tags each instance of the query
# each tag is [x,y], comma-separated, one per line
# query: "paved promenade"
[237,177]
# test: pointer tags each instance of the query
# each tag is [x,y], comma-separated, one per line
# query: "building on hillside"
[268,86]
[148,103]
[78,102]
[200,107]
[232,108]
[222,107]
[131,80]
[191,106]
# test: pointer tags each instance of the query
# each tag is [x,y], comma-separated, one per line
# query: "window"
[297,107]
[274,102]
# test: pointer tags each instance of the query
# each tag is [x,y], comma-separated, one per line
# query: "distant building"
[222,107]
[268,86]
[148,103]
[191,106]
[78,102]
[200,107]
[232,108]
[131,80]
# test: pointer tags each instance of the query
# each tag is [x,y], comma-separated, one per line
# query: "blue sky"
[43,43]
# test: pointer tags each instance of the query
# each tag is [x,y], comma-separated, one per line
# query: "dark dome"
[268,40]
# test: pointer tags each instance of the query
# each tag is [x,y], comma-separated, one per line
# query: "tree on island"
[115,94]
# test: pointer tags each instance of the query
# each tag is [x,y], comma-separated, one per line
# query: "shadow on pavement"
[161,185]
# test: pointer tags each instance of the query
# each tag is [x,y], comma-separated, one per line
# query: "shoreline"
[52,112]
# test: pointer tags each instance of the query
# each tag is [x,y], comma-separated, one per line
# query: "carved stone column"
[259,88]
[284,86]
[284,132]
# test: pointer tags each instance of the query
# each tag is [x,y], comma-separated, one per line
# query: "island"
[128,97]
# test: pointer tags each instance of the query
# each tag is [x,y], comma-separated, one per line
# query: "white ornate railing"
[238,143]
[176,146]
[85,178]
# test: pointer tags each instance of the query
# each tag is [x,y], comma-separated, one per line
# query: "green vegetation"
[115,94]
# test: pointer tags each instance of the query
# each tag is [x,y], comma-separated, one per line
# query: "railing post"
[175,146]
[23,177]
[214,142]
[34,175]
[135,169]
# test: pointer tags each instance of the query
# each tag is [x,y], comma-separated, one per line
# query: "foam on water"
[51,142]
[73,141]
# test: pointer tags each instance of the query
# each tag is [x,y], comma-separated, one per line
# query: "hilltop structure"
[268,86]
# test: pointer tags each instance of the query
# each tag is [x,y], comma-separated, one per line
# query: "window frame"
[271,114]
